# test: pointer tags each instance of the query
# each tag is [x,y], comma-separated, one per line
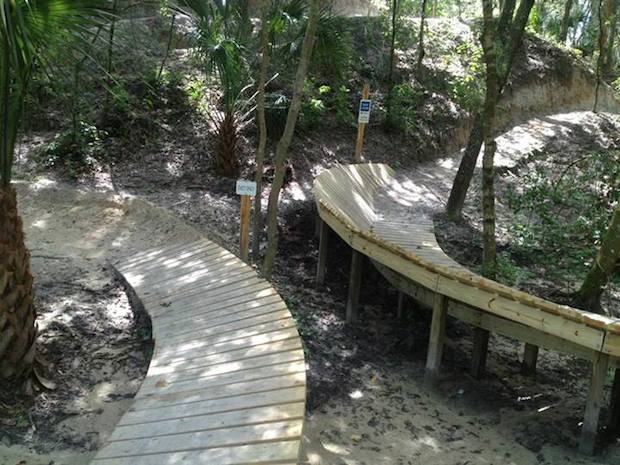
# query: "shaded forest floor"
[367,401]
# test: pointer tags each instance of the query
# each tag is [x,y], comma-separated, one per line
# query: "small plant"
[466,89]
[566,214]
[406,101]
[74,150]
[616,86]
[509,272]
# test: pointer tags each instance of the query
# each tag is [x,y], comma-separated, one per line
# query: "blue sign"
[364,113]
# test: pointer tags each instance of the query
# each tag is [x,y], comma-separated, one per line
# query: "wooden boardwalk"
[227,382]
[379,216]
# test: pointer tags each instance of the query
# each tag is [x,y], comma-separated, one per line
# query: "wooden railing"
[377,215]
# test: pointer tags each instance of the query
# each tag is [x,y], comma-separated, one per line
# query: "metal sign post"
[247,190]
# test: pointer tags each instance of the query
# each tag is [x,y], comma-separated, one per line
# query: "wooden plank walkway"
[379,216]
[227,382]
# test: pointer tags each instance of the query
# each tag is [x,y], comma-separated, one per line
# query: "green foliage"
[406,102]
[509,272]
[73,150]
[468,89]
[565,215]
[332,55]
[27,31]
[276,109]
[312,112]
[323,100]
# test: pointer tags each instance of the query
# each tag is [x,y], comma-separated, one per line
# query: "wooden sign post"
[363,118]
[247,190]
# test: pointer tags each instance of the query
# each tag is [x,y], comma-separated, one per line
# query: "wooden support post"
[530,357]
[437,337]
[244,242]
[355,283]
[481,348]
[614,414]
[361,129]
[593,404]
[401,304]
[323,242]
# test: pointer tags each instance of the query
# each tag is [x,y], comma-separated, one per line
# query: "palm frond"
[27,30]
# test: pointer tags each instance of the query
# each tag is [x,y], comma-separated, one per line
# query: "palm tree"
[27,29]
[222,28]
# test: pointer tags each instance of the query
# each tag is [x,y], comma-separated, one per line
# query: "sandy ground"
[367,401]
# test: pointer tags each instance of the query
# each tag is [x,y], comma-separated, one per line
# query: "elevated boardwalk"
[378,215]
[227,382]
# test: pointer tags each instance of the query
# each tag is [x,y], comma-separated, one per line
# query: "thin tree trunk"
[568,6]
[109,79]
[511,33]
[168,46]
[589,295]
[456,201]
[287,136]
[489,254]
[609,26]
[421,51]
[262,128]
[601,54]
[389,109]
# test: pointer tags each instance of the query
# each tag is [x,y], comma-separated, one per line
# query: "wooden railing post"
[481,348]
[401,305]
[322,260]
[530,358]
[437,337]
[614,414]
[355,283]
[593,404]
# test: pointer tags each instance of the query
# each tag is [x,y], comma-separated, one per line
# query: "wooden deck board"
[283,452]
[227,381]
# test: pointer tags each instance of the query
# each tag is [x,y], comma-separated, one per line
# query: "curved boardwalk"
[226,384]
[376,213]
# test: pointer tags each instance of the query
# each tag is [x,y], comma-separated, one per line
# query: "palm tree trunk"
[262,128]
[227,138]
[18,329]
[287,136]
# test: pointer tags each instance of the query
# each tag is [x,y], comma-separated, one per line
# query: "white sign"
[246,187]
[364,113]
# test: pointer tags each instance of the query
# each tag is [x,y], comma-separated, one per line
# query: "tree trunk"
[568,6]
[421,51]
[287,136]
[168,46]
[509,38]
[262,129]
[489,254]
[390,80]
[226,157]
[609,26]
[18,328]
[589,295]
[456,201]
